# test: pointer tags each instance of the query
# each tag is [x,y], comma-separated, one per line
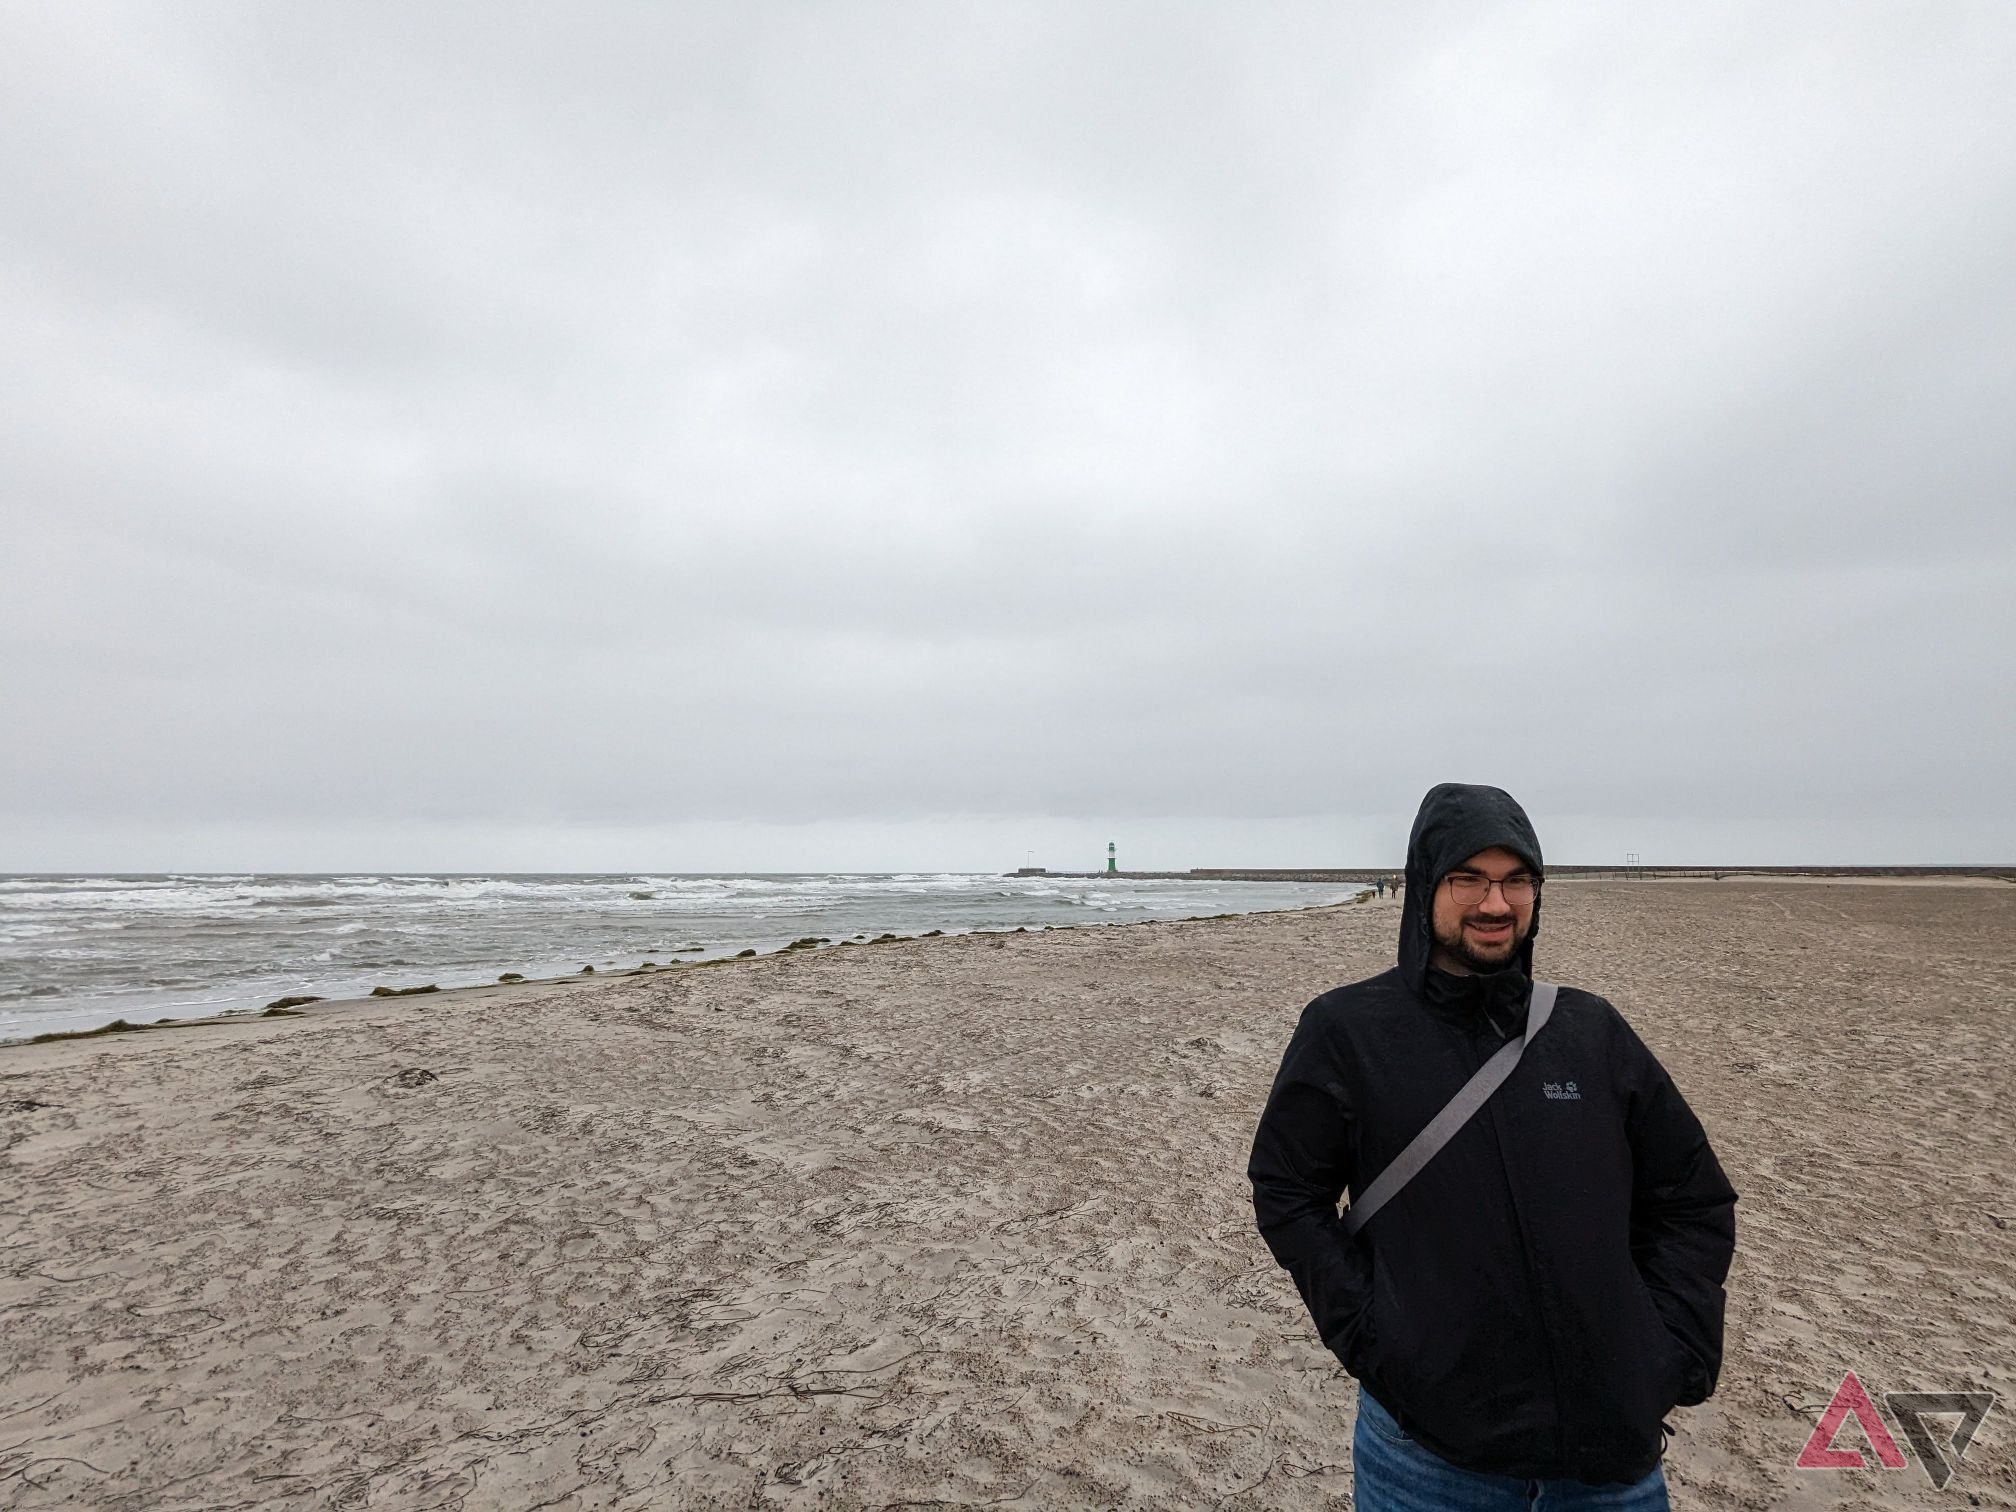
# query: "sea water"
[77,952]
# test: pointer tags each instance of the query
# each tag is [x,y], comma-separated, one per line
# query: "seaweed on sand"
[117,1026]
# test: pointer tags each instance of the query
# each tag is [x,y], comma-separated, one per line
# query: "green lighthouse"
[1112,864]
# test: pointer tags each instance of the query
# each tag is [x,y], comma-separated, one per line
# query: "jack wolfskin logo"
[1561,1091]
[1910,1408]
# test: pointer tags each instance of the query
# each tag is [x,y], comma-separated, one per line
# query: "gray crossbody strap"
[1459,1110]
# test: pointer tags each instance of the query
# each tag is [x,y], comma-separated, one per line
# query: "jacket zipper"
[1526,1261]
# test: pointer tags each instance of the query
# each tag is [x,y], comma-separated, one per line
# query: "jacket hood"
[1457,820]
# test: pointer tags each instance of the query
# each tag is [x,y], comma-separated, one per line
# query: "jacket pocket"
[1378,1353]
[1621,1377]
[1671,1357]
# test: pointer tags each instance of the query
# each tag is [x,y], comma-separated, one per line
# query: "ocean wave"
[133,940]
[28,994]
[22,929]
[125,882]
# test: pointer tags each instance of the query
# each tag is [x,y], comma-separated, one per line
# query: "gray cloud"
[508,436]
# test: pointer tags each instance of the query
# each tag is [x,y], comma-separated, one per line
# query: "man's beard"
[1459,947]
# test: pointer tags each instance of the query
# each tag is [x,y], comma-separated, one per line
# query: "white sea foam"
[143,947]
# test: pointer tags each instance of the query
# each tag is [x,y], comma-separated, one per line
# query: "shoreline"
[88,956]
[320,1007]
[323,1008]
[122,1012]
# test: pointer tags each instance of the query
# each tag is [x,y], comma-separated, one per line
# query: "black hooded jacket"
[1547,1287]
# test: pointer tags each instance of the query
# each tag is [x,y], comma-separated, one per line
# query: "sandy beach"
[942,1222]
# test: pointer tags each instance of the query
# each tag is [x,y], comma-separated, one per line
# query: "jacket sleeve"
[1300,1166]
[1683,1213]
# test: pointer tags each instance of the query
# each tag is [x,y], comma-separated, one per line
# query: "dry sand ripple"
[945,1222]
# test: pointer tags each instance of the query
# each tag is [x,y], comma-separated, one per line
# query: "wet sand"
[941,1222]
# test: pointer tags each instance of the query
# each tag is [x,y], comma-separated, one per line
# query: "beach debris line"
[279,1005]
[403,991]
[117,1026]
[512,976]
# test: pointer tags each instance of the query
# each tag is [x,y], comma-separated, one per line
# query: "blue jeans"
[1395,1474]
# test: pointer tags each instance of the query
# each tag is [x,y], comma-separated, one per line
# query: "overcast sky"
[952,435]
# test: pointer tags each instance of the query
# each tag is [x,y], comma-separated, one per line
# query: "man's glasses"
[1518,890]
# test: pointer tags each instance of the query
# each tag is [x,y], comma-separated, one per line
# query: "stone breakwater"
[1370,874]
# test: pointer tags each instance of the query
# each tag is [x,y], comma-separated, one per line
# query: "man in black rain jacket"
[1538,1297]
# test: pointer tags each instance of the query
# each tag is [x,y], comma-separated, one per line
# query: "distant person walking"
[1523,1301]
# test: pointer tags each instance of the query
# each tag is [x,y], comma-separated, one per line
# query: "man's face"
[1483,934]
